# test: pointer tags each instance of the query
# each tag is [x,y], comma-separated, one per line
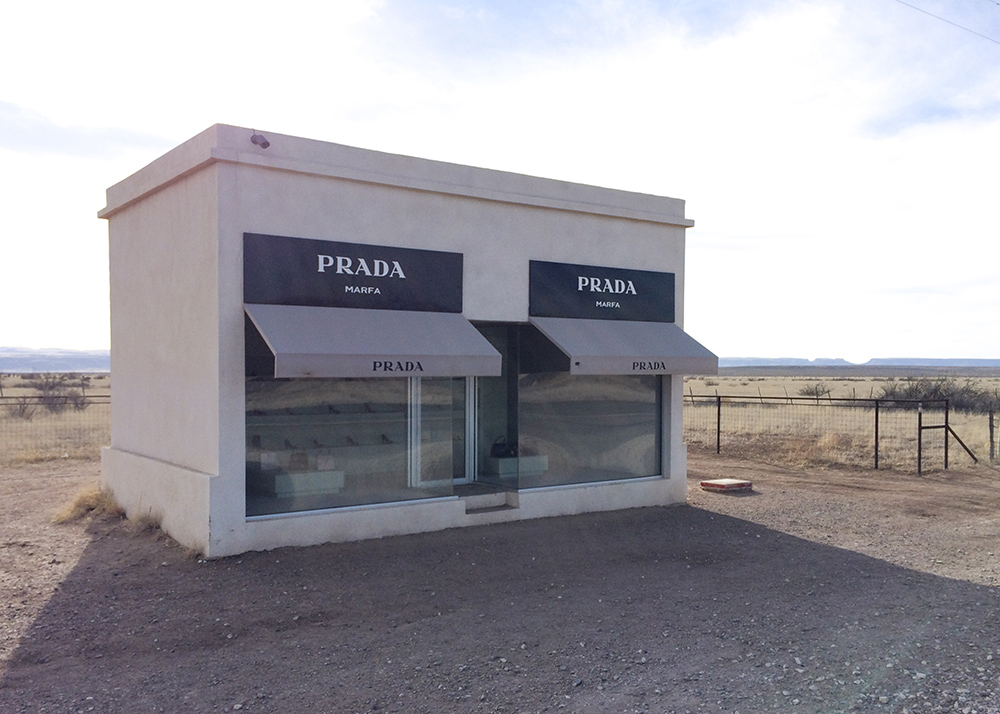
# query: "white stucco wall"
[164,323]
[178,421]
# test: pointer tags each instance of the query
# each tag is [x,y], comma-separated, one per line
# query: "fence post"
[718,424]
[992,442]
[876,434]
[920,436]
[946,430]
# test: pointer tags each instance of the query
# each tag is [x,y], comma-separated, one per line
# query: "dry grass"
[146,522]
[68,434]
[96,502]
[34,433]
[90,502]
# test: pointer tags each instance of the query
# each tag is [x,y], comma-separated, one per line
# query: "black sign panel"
[599,293]
[278,270]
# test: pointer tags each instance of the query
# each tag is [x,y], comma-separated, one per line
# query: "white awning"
[340,342]
[627,347]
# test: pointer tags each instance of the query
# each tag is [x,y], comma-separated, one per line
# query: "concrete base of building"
[138,482]
[174,497]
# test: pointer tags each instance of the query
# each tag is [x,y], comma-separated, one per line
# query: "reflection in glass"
[577,429]
[496,412]
[439,424]
[325,443]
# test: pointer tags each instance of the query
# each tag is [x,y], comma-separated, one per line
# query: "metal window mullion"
[413,433]
[471,432]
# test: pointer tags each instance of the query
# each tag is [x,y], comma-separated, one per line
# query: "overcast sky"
[840,159]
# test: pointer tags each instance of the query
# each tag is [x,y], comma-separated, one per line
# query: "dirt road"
[821,592]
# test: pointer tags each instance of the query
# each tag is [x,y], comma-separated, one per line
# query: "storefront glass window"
[326,443]
[577,429]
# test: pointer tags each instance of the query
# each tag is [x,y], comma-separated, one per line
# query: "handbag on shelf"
[502,450]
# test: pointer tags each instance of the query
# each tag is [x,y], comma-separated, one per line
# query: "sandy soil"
[823,591]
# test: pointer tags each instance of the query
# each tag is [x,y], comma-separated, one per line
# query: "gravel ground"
[822,591]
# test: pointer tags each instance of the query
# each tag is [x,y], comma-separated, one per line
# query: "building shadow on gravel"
[650,610]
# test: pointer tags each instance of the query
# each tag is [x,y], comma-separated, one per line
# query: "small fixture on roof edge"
[259,140]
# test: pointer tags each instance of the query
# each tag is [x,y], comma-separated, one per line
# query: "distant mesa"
[23,359]
[781,362]
[910,362]
[877,362]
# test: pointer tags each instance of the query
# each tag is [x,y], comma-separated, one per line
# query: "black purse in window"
[501,449]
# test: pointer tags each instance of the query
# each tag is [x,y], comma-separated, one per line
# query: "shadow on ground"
[658,609]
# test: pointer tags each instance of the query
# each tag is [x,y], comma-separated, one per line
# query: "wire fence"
[904,435]
[793,431]
[39,428]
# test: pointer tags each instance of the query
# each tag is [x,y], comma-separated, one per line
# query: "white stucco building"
[313,343]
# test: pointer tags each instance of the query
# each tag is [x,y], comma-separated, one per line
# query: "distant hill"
[22,359]
[780,362]
[909,362]
[878,362]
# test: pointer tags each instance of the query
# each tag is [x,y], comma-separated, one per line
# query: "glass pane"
[575,428]
[496,413]
[441,416]
[458,427]
[324,443]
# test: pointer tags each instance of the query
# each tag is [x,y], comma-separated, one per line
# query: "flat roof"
[225,143]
